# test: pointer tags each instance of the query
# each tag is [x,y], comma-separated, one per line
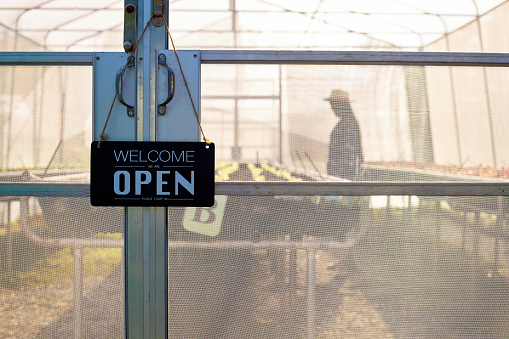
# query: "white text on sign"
[122,182]
[154,156]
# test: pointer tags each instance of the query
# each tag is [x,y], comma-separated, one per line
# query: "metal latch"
[157,12]
[130,23]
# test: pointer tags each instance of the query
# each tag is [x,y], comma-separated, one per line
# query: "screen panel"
[61,265]
[415,123]
[331,267]
[45,122]
[282,253]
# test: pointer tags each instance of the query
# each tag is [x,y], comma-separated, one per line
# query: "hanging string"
[207,141]
[103,136]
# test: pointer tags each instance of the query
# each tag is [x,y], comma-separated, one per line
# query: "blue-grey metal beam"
[283,57]
[46,58]
[355,58]
[492,188]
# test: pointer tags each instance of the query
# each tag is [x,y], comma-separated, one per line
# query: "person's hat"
[338,95]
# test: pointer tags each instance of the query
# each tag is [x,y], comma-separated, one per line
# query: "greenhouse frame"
[412,241]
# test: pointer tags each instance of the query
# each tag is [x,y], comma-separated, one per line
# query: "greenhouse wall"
[415,245]
[467,104]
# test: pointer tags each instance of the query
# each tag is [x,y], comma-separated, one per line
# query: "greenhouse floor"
[427,291]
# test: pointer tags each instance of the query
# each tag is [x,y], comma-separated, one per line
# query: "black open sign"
[128,173]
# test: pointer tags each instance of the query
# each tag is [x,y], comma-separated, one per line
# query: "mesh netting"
[45,120]
[275,267]
[430,121]
[459,25]
[398,267]
[279,266]
[61,269]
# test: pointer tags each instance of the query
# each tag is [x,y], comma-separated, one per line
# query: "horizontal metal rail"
[72,242]
[218,244]
[46,58]
[323,188]
[45,189]
[362,188]
[269,244]
[355,58]
[280,57]
[240,97]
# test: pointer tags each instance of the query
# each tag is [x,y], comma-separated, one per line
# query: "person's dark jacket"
[345,150]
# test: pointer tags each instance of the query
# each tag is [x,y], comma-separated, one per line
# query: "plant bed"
[267,217]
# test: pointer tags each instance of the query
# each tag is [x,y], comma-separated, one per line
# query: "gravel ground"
[355,319]
[102,312]
[47,312]
[24,312]
[33,311]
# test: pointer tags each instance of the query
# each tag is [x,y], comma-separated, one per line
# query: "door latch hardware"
[161,108]
[119,86]
[130,23]
[157,11]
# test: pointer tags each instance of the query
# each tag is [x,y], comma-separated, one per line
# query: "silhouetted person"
[345,149]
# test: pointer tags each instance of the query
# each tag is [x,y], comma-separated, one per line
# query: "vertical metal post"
[418,111]
[311,288]
[280,115]
[236,150]
[453,101]
[486,91]
[63,90]
[146,227]
[78,290]
[9,242]
[38,118]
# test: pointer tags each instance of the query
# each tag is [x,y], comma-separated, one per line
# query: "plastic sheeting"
[65,25]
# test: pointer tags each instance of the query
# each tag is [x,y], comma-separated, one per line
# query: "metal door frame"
[146,285]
